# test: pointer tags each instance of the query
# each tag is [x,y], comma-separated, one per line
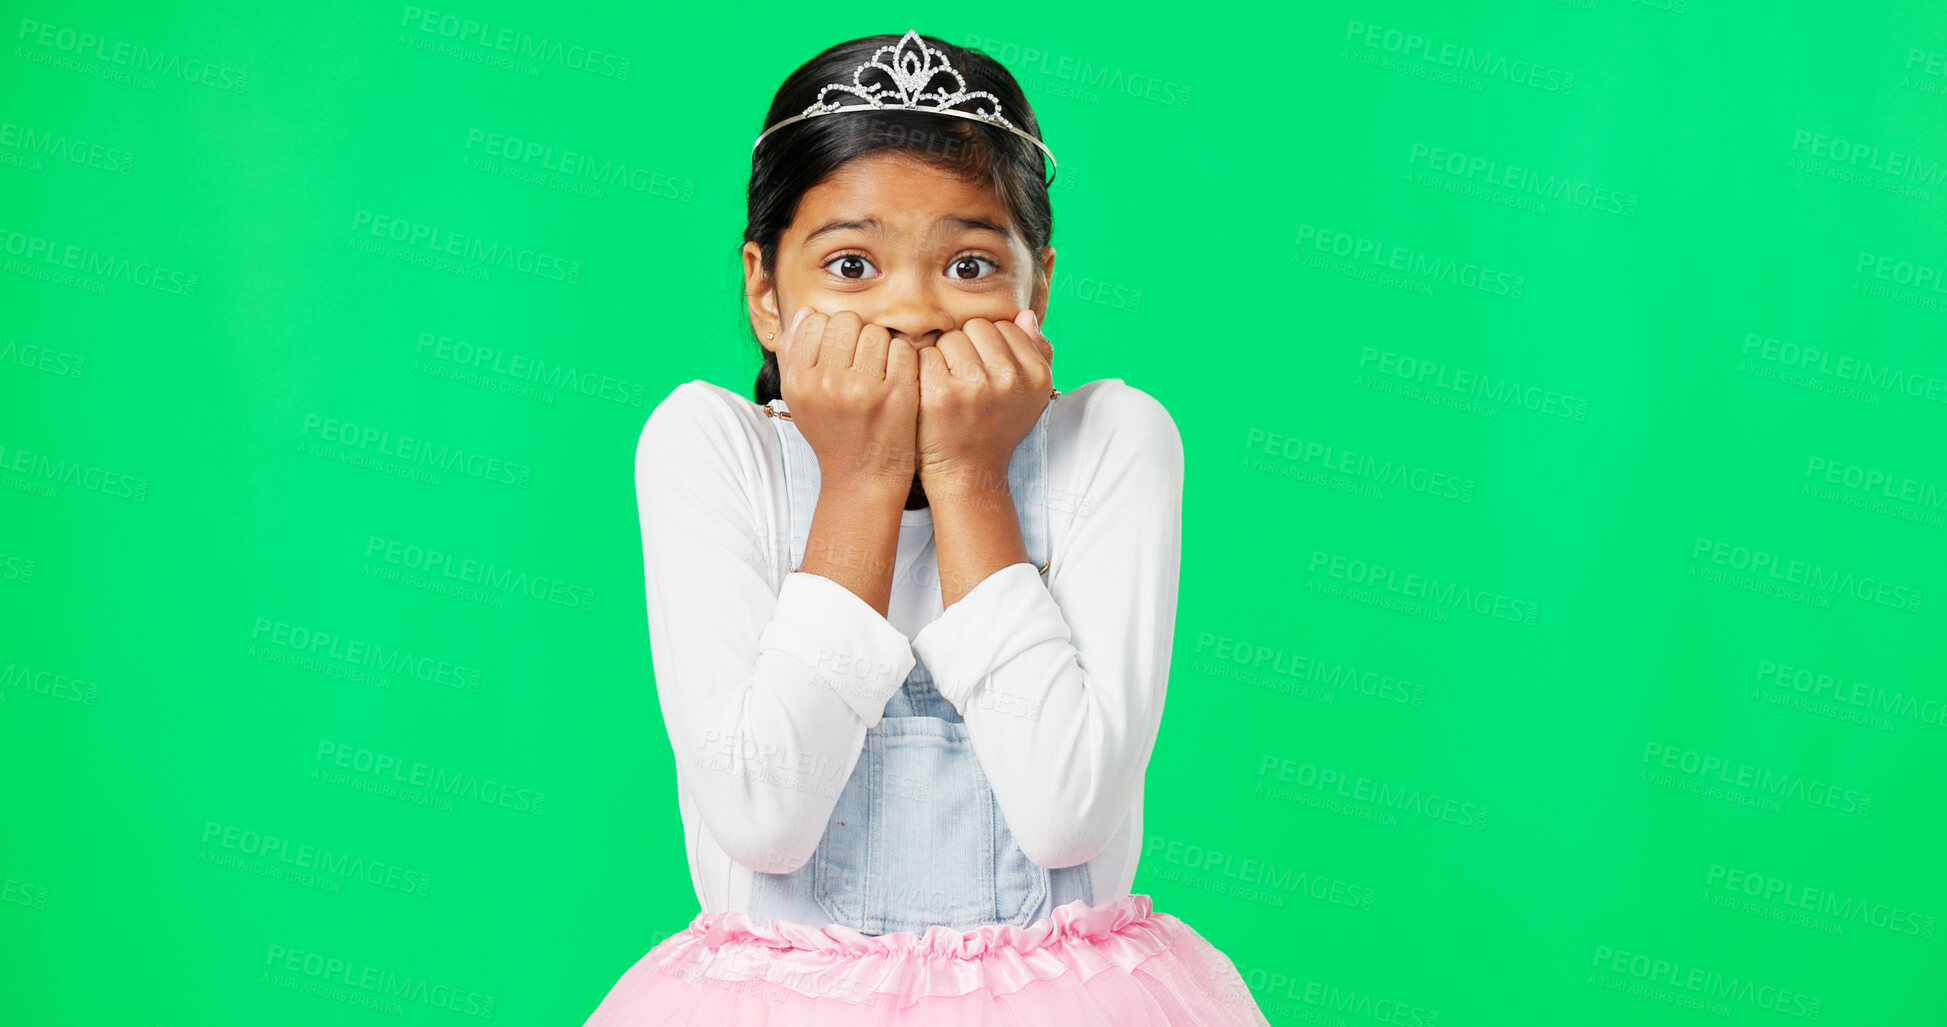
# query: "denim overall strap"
[916,837]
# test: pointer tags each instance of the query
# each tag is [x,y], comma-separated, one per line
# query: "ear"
[760,298]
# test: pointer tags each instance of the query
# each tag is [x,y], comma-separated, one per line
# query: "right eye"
[851,266]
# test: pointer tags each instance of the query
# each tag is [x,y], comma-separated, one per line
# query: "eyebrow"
[874,226]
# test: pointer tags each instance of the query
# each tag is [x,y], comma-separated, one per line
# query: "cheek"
[1020,291]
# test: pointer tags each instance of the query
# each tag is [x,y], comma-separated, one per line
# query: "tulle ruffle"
[1121,964]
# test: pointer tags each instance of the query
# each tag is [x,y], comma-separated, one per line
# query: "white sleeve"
[1062,684]
[766,695]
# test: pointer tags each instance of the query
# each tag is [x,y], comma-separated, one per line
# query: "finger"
[996,354]
[958,355]
[841,338]
[806,329]
[902,364]
[933,370]
[1033,363]
[1031,324]
[870,359]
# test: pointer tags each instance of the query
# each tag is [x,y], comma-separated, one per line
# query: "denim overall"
[916,838]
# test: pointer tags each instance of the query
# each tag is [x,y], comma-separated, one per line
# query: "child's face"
[921,272]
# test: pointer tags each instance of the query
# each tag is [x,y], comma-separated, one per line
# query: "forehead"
[907,196]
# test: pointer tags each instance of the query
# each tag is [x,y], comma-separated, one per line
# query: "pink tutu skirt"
[1116,965]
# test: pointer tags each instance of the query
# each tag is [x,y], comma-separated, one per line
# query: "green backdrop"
[1563,392]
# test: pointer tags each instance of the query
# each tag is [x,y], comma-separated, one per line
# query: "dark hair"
[798,156]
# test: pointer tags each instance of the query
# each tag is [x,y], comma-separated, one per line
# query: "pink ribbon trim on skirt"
[837,961]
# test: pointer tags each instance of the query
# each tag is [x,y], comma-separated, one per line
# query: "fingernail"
[800,315]
[1033,321]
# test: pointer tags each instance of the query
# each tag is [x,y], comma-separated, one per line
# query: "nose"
[912,311]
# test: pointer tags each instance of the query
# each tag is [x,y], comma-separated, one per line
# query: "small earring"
[771,336]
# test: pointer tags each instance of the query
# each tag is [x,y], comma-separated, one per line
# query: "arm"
[853,539]
[766,695]
[1062,684]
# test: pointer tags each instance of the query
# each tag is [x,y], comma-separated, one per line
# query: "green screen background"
[1562,390]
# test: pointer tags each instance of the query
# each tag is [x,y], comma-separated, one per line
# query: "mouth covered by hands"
[879,409]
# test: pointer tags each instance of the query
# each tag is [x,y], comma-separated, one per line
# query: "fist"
[980,390]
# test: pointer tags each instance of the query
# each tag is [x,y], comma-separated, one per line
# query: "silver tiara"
[911,71]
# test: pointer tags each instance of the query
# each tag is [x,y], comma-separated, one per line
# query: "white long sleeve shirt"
[768,678]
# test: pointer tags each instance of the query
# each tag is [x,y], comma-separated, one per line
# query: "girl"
[911,610]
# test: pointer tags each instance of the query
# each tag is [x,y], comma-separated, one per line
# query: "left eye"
[964,262]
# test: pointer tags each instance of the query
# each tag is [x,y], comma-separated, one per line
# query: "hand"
[852,390]
[980,390]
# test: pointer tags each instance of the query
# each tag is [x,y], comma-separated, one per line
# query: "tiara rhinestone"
[911,71]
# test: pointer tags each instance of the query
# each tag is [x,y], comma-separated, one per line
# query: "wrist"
[966,481]
[869,485]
